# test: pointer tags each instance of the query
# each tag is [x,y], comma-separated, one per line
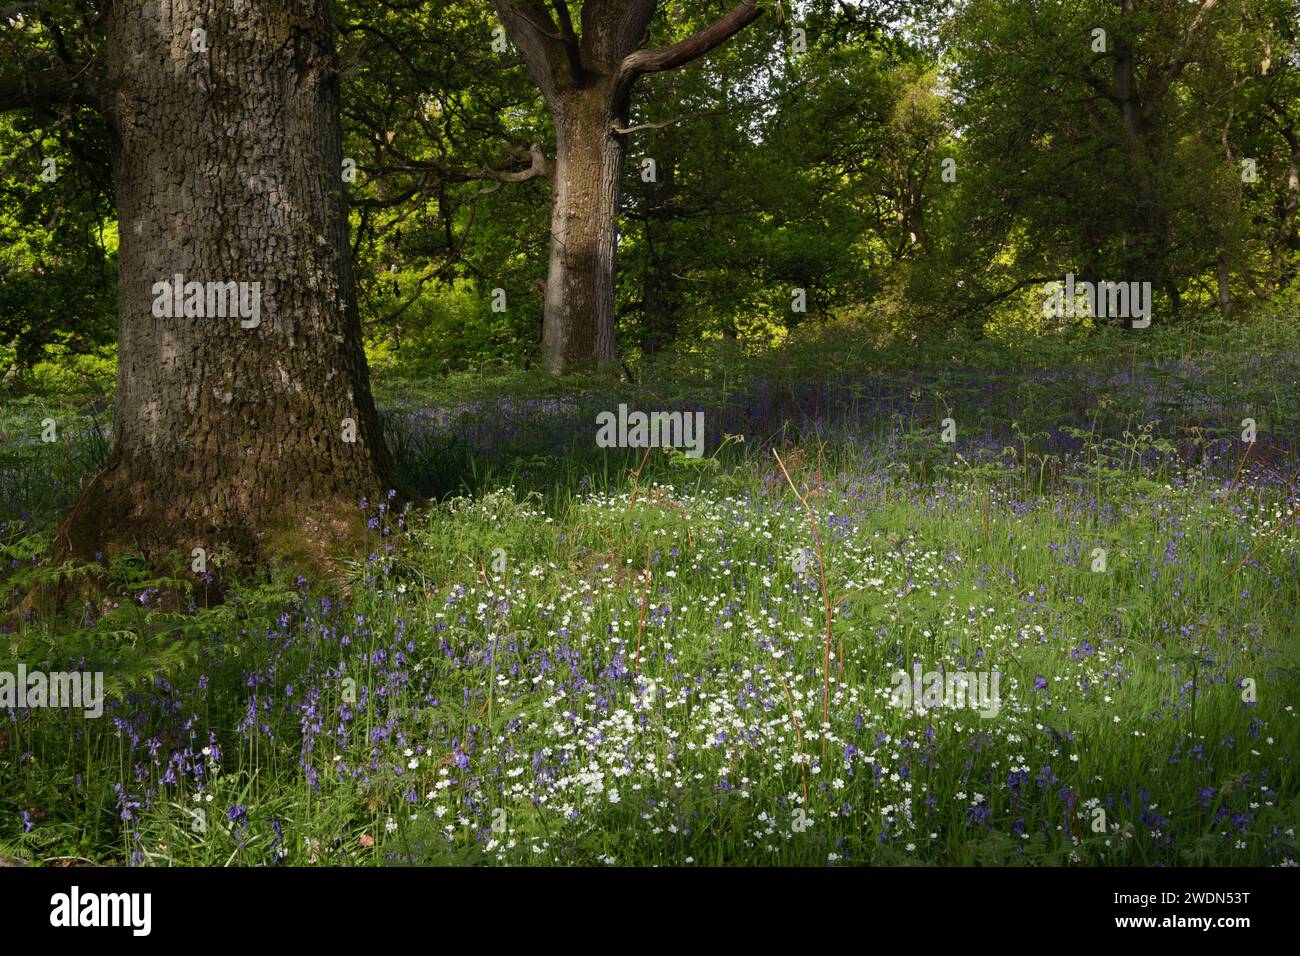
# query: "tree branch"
[625,130]
[611,29]
[1179,63]
[661,58]
[530,27]
[42,89]
[539,165]
[570,40]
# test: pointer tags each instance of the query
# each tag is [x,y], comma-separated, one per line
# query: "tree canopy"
[919,164]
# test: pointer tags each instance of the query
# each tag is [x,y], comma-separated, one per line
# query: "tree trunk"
[227,166]
[1149,222]
[659,296]
[586,76]
[1286,239]
[578,319]
[1223,276]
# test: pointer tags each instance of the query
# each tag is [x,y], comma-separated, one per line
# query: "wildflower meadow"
[1065,637]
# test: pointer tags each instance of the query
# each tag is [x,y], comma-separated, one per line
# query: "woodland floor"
[582,655]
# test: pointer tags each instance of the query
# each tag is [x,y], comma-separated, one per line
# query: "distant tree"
[1090,133]
[585,69]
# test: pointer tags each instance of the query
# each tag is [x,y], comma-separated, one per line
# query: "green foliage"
[945,555]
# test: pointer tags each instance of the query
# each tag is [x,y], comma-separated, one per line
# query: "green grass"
[484,666]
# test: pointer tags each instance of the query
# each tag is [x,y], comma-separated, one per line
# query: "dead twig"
[821,565]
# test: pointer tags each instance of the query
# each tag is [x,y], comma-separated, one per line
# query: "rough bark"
[227,166]
[578,324]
